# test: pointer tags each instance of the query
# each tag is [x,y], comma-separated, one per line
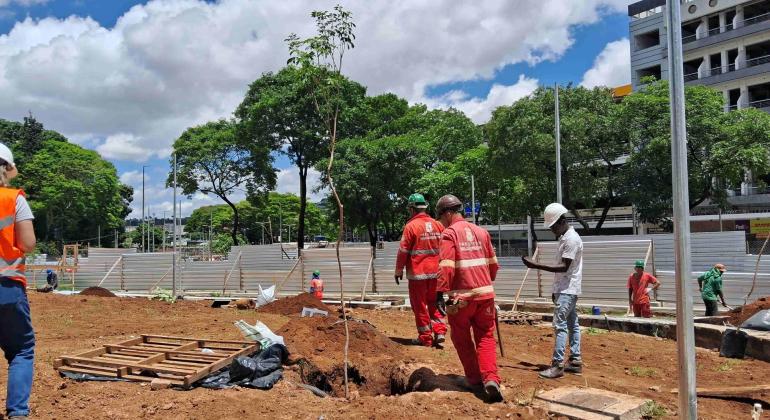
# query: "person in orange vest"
[418,253]
[468,268]
[317,285]
[17,338]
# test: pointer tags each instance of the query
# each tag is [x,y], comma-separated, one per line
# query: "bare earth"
[620,362]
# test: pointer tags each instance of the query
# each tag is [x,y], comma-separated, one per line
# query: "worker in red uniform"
[418,253]
[468,268]
[317,285]
[640,284]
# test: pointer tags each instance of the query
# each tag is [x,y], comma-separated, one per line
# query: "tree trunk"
[302,208]
[578,218]
[236,222]
[372,235]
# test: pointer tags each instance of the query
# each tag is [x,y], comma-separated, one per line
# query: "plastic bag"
[759,321]
[733,344]
[265,295]
[259,332]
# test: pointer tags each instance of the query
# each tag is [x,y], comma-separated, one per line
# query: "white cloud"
[288,182]
[612,67]
[124,146]
[133,178]
[480,109]
[169,64]
[25,3]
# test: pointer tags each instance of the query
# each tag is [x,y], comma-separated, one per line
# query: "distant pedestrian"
[567,285]
[710,287]
[317,285]
[17,339]
[640,284]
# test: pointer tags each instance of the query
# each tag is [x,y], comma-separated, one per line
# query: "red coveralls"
[419,254]
[468,268]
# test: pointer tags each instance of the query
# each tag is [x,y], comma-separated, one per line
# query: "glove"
[440,303]
[398,278]
[553,298]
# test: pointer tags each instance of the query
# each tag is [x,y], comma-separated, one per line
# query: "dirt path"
[620,362]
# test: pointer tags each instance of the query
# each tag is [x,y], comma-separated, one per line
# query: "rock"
[157,384]
[168,406]
[62,385]
[655,388]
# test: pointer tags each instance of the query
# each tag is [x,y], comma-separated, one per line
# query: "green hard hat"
[417,201]
[639,264]
[317,273]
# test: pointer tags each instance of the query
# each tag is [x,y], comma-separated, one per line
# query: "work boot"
[555,371]
[418,342]
[492,391]
[439,340]
[574,366]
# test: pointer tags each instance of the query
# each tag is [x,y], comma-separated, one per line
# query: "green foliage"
[222,243]
[163,295]
[134,238]
[728,365]
[212,161]
[69,187]
[595,331]
[642,372]
[653,410]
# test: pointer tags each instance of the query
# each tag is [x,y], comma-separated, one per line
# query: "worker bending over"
[640,284]
[468,268]
[710,286]
[567,282]
[418,253]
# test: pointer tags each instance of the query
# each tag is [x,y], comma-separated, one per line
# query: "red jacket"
[468,262]
[420,248]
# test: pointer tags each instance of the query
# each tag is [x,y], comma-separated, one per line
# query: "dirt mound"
[739,315]
[293,305]
[97,291]
[373,357]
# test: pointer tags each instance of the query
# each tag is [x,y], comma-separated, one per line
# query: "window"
[653,71]
[647,40]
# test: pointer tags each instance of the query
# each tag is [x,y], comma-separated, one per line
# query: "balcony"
[691,37]
[758,61]
[761,104]
[690,77]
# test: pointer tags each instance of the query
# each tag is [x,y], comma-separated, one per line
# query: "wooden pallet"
[520,318]
[179,360]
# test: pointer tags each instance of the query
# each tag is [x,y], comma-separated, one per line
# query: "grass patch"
[728,365]
[595,331]
[653,410]
[642,372]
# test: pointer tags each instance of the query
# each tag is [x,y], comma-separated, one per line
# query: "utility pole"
[473,199]
[211,222]
[499,227]
[99,236]
[173,254]
[685,335]
[164,231]
[558,144]
[143,166]
[116,238]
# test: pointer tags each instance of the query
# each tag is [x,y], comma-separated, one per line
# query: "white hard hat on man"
[552,214]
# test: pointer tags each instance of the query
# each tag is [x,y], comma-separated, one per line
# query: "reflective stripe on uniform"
[447,263]
[469,293]
[438,320]
[424,328]
[6,221]
[423,276]
[476,262]
[423,252]
[404,250]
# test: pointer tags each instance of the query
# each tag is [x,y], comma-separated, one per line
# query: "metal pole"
[720,220]
[173,255]
[143,207]
[473,200]
[499,227]
[99,236]
[116,238]
[529,235]
[558,145]
[164,231]
[685,336]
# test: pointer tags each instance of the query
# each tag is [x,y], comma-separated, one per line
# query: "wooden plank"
[174,381]
[92,353]
[131,342]
[729,391]
[219,365]
[118,364]
[201,340]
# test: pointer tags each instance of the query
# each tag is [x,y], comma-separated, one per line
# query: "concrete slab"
[590,404]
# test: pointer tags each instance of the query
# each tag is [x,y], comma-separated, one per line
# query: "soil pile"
[293,305]
[373,357]
[739,315]
[97,291]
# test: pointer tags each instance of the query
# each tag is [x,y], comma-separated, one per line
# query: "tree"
[720,147]
[279,114]
[212,161]
[522,149]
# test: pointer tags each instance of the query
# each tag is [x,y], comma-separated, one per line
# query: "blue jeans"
[17,340]
[565,322]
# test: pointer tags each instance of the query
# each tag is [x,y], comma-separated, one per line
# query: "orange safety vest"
[11,257]
[317,288]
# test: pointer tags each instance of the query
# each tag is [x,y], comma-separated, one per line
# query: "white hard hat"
[552,213]
[6,154]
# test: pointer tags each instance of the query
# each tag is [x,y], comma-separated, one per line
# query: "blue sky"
[120,82]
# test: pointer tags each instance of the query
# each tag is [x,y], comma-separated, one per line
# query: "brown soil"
[620,362]
[293,305]
[739,315]
[97,291]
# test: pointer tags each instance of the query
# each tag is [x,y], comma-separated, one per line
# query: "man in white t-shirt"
[568,276]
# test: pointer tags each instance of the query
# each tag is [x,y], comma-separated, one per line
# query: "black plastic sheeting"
[733,344]
[261,371]
[759,321]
